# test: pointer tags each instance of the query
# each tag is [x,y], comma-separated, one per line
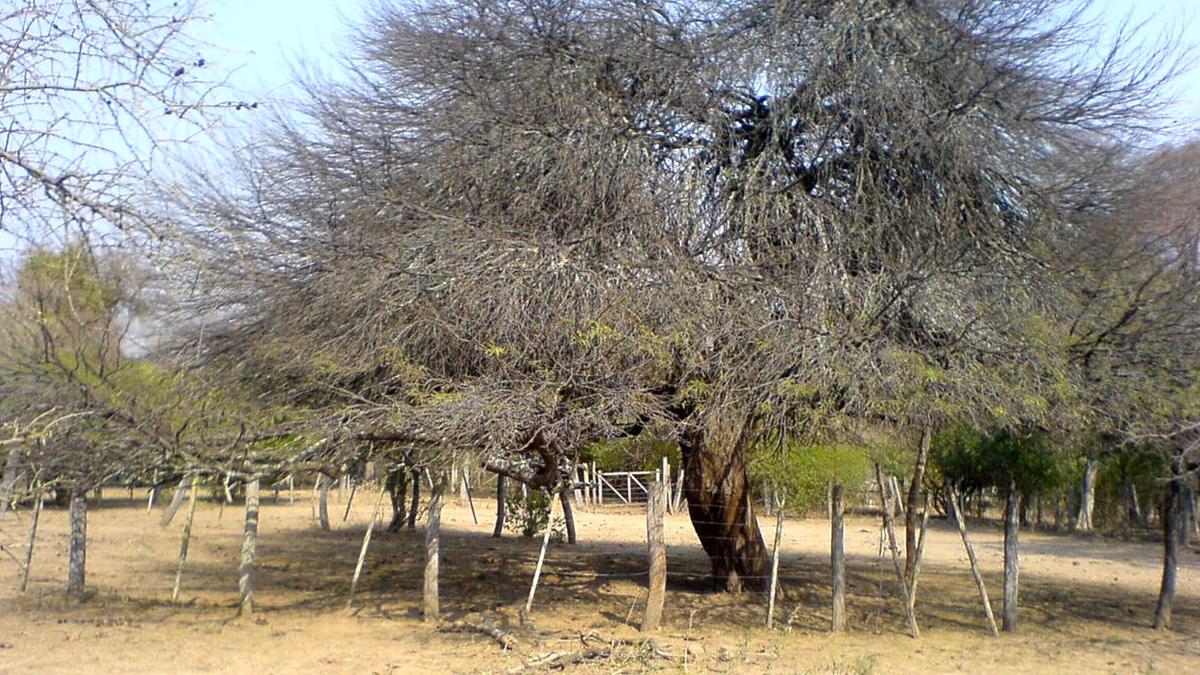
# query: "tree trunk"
[249,551]
[1186,506]
[8,483]
[1171,517]
[397,487]
[500,507]
[33,528]
[416,499]
[568,514]
[77,554]
[914,503]
[1011,556]
[717,489]
[1087,496]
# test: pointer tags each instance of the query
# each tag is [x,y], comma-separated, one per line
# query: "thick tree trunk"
[1171,517]
[717,488]
[568,514]
[1087,496]
[1012,567]
[914,503]
[500,507]
[397,487]
[77,552]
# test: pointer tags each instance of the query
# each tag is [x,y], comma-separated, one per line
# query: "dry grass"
[1086,602]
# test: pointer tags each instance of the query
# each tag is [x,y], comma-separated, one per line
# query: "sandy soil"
[1086,602]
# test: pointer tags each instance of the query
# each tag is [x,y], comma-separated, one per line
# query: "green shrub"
[802,473]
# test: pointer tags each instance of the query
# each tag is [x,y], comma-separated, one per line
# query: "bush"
[802,473]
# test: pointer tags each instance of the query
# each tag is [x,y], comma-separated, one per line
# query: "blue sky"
[264,39]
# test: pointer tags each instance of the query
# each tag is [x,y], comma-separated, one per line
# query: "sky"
[262,41]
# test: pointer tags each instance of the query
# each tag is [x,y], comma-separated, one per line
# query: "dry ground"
[1086,601]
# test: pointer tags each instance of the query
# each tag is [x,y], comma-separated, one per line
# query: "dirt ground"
[1086,602]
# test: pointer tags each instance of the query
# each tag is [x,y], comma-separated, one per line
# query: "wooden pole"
[656,553]
[955,507]
[33,528]
[891,531]
[679,489]
[323,500]
[249,551]
[153,497]
[433,538]
[1011,557]
[362,553]
[184,541]
[666,477]
[176,501]
[498,531]
[837,554]
[350,500]
[537,572]
[915,573]
[291,489]
[466,490]
[77,553]
[775,561]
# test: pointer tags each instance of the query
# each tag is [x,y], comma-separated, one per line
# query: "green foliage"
[530,516]
[975,460]
[639,453]
[802,473]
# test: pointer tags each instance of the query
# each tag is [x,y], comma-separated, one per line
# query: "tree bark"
[8,483]
[77,552]
[184,541]
[717,489]
[416,499]
[33,528]
[397,487]
[914,503]
[1087,496]
[568,514]
[249,551]
[500,507]
[1171,517]
[1011,557]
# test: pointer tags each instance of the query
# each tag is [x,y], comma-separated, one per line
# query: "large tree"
[526,226]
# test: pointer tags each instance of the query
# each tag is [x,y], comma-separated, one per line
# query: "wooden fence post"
[956,509]
[416,499]
[33,528]
[362,553]
[666,477]
[915,574]
[249,550]
[350,500]
[778,504]
[838,556]
[1011,557]
[466,491]
[537,572]
[323,500]
[656,552]
[184,541]
[888,525]
[429,602]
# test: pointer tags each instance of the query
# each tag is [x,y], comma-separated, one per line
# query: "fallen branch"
[501,636]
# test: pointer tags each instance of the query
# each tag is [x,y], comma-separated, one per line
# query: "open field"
[1086,602]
